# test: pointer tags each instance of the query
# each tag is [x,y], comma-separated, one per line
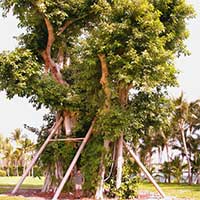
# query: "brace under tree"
[109,59]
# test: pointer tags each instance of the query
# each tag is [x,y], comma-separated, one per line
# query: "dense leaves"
[138,41]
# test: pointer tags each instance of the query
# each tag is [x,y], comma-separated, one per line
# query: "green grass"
[8,183]
[178,190]
[11,198]
[29,181]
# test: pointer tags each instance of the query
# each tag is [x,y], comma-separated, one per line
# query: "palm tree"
[194,146]
[1,150]
[196,168]
[27,147]
[146,149]
[17,136]
[7,155]
[17,156]
[166,171]
[180,124]
[177,168]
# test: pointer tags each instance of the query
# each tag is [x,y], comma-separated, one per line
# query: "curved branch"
[69,22]
[51,37]
[46,54]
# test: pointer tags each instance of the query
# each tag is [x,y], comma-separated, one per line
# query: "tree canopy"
[111,59]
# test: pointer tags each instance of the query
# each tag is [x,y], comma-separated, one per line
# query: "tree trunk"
[106,108]
[17,170]
[32,172]
[67,123]
[8,164]
[53,176]
[186,152]
[123,99]
[120,161]
[47,182]
[167,150]
[198,178]
[100,187]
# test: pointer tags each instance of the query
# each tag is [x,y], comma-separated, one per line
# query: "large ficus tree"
[109,59]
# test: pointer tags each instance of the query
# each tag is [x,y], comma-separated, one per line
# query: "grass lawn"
[11,198]
[178,190]
[8,183]
[28,182]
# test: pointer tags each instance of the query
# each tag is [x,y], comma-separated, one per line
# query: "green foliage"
[166,171]
[53,95]
[90,161]
[18,72]
[177,168]
[139,39]
[117,117]
[130,180]
[173,16]
[2,172]
[174,169]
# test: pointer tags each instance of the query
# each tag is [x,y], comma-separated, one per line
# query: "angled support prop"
[56,126]
[64,180]
[144,169]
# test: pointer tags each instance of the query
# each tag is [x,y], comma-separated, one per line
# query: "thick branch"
[51,37]
[66,25]
[104,81]
[46,54]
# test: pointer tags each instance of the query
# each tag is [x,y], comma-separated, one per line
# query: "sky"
[17,112]
[189,66]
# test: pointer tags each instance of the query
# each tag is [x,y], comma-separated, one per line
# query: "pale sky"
[190,65]
[17,112]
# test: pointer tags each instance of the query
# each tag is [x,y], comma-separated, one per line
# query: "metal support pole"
[144,169]
[37,156]
[64,180]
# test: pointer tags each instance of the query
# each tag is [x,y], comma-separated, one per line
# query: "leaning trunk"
[186,152]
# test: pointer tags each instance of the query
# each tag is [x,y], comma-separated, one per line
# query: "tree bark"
[123,98]
[106,108]
[186,151]
[50,184]
[120,161]
[47,181]
[67,123]
[100,187]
